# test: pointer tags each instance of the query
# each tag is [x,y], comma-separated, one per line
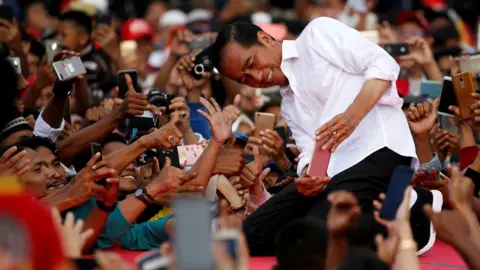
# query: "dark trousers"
[365,180]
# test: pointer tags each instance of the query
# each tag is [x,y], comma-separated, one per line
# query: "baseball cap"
[134,29]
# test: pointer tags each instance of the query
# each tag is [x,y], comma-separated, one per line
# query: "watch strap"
[144,198]
[149,197]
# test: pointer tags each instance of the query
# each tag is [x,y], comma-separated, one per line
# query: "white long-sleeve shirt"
[326,68]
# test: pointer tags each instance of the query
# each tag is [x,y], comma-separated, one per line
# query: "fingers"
[156,166]
[264,175]
[206,115]
[210,108]
[91,163]
[86,235]
[128,80]
[189,176]
[57,219]
[168,162]
[8,154]
[69,220]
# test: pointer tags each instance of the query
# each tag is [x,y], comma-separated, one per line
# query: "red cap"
[134,29]
[435,4]
[412,16]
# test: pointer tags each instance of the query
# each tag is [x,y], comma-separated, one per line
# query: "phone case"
[401,179]
[432,89]
[52,47]
[263,121]
[189,154]
[171,153]
[319,162]
[229,192]
[471,65]
[464,87]
[447,98]
[69,68]
[15,62]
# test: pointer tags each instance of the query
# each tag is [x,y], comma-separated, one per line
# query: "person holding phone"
[338,92]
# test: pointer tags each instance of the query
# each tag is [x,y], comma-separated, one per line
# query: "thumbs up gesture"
[252,170]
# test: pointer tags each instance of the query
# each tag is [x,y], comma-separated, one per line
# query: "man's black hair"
[35,142]
[114,137]
[245,34]
[302,244]
[80,19]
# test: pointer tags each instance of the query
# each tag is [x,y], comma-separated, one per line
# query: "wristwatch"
[105,208]
[143,196]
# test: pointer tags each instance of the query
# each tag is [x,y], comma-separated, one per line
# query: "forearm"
[467,138]
[369,96]
[189,137]
[82,96]
[53,112]
[433,71]
[406,258]
[164,72]
[476,207]
[95,221]
[337,248]
[121,159]
[206,163]
[423,148]
[30,98]
[80,141]
[131,207]
[62,200]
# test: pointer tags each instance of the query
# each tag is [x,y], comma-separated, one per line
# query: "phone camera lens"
[461,79]
[199,69]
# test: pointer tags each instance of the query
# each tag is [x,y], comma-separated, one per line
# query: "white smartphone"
[69,68]
[15,61]
[52,47]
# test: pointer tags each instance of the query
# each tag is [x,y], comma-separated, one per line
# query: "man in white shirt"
[338,88]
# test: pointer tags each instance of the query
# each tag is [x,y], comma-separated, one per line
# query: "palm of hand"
[221,127]
[420,127]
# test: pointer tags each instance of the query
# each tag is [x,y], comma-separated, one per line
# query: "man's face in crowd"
[128,178]
[15,137]
[46,171]
[37,16]
[409,30]
[257,66]
[72,37]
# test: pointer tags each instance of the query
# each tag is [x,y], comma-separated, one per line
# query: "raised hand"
[72,234]
[403,212]
[387,247]
[220,122]
[422,117]
[343,214]
[233,110]
[107,39]
[335,131]
[10,34]
[311,186]
[14,164]
[167,136]
[450,225]
[134,103]
[420,52]
[170,178]
[229,162]
[272,144]
[179,106]
[180,42]
[184,67]
[252,170]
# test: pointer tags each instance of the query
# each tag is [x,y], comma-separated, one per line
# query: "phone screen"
[122,82]
[401,179]
[447,97]
[193,234]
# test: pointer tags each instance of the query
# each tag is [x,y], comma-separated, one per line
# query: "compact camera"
[203,63]
[160,99]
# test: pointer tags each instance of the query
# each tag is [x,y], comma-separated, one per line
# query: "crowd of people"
[101,160]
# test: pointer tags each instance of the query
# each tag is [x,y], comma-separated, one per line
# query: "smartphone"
[189,154]
[397,49]
[15,61]
[86,264]
[282,132]
[229,238]
[464,88]
[447,98]
[319,161]
[154,261]
[69,68]
[263,121]
[193,233]
[401,179]
[94,149]
[229,192]
[447,123]
[122,82]
[471,65]
[171,153]
[432,89]
[52,47]
[373,36]
[105,19]
[6,13]
[68,112]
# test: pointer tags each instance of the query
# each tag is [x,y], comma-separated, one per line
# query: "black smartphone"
[68,112]
[105,19]
[397,49]
[401,179]
[122,83]
[447,98]
[6,13]
[282,131]
[86,264]
[193,233]
[172,154]
[97,148]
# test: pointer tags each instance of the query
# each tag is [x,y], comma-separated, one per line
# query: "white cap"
[173,17]
[261,18]
[199,15]
[101,5]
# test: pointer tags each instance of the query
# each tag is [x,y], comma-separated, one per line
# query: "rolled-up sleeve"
[331,39]
[43,129]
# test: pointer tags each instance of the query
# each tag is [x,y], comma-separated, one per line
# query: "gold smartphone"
[464,87]
[263,121]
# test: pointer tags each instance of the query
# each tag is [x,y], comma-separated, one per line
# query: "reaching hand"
[446,141]
[475,108]
[170,178]
[220,122]
[96,114]
[461,190]
[386,34]
[184,67]
[450,225]
[134,103]
[422,117]
[403,212]
[227,221]
[72,234]
[335,131]
[272,143]
[180,43]
[233,110]
[311,186]
[107,39]
[343,214]
[179,106]
[12,164]
[387,247]
[10,34]
[252,170]
[420,52]
[84,185]
[167,136]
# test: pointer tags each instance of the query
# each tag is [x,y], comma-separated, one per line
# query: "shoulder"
[323,22]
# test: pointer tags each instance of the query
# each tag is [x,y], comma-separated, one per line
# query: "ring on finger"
[183,114]
[171,139]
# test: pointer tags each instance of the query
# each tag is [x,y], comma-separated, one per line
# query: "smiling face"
[256,66]
[128,178]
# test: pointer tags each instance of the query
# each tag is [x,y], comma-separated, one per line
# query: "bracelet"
[105,208]
[407,244]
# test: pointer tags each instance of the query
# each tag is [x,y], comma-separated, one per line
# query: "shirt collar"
[289,50]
